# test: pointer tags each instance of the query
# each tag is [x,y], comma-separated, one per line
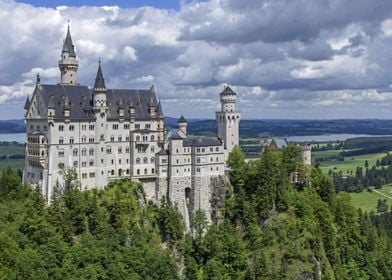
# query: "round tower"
[68,64]
[306,154]
[228,120]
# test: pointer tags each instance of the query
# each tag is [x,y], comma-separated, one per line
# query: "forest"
[271,230]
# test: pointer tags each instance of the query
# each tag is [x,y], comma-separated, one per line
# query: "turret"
[182,124]
[306,154]
[99,92]
[151,103]
[51,109]
[68,64]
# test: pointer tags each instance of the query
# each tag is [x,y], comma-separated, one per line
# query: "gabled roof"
[68,45]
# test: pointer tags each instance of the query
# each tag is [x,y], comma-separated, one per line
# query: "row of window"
[75,151]
[145,160]
[145,171]
[102,138]
[198,150]
[92,127]
[91,175]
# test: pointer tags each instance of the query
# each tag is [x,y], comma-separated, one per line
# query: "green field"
[349,163]
[367,201]
[9,151]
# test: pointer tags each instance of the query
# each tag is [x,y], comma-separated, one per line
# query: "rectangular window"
[126,126]
[91,127]
[137,126]
[115,126]
[71,127]
[61,128]
[148,126]
[92,174]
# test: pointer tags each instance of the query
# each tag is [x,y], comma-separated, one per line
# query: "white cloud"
[289,62]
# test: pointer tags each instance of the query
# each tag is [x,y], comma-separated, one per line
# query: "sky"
[286,59]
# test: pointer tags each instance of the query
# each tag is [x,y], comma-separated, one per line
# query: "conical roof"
[99,80]
[68,45]
[27,103]
[227,90]
[182,119]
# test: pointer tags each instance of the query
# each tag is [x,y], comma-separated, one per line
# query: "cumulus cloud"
[285,58]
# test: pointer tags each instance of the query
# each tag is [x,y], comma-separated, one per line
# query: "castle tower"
[306,154]
[228,119]
[182,124]
[68,64]
[99,92]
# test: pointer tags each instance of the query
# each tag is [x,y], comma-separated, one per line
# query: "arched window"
[138,172]
[145,160]
[75,152]
[152,138]
[138,138]
[42,153]
[84,151]
[91,163]
[127,149]
[152,160]
[84,139]
[61,140]
[71,140]
[145,171]
[138,161]
[61,153]
[91,152]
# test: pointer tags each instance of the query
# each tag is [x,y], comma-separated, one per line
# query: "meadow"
[349,164]
[367,201]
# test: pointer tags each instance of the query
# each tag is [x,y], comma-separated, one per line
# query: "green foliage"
[272,230]
[99,234]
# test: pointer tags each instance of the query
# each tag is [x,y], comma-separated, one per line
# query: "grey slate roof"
[27,103]
[227,90]
[80,101]
[99,80]
[182,119]
[68,45]
[202,142]
[175,134]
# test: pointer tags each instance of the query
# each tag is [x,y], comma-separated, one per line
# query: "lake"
[20,137]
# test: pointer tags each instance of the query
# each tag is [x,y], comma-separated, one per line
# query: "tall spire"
[68,45]
[99,80]
[68,64]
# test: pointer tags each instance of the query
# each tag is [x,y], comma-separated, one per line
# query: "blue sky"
[165,4]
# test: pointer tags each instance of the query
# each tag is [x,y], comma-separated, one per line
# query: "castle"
[106,134]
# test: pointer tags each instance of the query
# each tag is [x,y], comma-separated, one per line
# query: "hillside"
[271,230]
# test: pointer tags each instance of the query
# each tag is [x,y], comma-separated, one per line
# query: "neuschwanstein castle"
[107,134]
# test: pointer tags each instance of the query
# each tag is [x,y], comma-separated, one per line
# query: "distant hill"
[12,126]
[257,128]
